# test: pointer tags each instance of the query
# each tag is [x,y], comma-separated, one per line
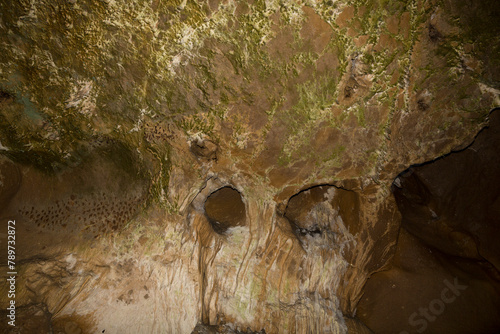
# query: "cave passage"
[444,277]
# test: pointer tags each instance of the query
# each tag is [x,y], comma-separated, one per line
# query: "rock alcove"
[224,209]
[250,166]
[446,262]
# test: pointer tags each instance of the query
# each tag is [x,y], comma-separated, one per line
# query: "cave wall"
[120,119]
[444,275]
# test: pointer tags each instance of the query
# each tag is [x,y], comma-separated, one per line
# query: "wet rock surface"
[237,165]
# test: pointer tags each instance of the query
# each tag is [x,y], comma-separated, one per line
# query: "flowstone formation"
[229,166]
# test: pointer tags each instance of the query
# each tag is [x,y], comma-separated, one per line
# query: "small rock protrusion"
[204,148]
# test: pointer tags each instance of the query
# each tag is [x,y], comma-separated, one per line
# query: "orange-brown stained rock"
[10,180]
[415,295]
[236,75]
[445,203]
[315,30]
[345,16]
[344,203]
[34,318]
[225,209]
[448,240]
[204,149]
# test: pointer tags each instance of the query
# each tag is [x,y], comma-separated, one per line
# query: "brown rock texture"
[249,166]
[446,262]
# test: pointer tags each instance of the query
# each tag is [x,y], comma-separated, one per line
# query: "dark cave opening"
[444,277]
[224,209]
[306,210]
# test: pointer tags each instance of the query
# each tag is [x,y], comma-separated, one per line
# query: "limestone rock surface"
[228,165]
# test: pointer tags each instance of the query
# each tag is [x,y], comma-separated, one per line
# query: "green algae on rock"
[174,100]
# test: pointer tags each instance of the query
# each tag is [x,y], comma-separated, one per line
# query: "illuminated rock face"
[230,163]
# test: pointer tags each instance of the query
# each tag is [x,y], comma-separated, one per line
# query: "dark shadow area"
[444,277]
[224,209]
[313,211]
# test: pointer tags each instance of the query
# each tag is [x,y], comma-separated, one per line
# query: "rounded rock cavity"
[224,209]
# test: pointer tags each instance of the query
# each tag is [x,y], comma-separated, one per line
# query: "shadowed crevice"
[224,209]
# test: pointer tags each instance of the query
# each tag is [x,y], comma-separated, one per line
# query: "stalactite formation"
[265,166]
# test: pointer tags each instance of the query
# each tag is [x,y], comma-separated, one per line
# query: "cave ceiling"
[249,166]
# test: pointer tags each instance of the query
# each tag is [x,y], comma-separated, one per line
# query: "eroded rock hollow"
[249,166]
